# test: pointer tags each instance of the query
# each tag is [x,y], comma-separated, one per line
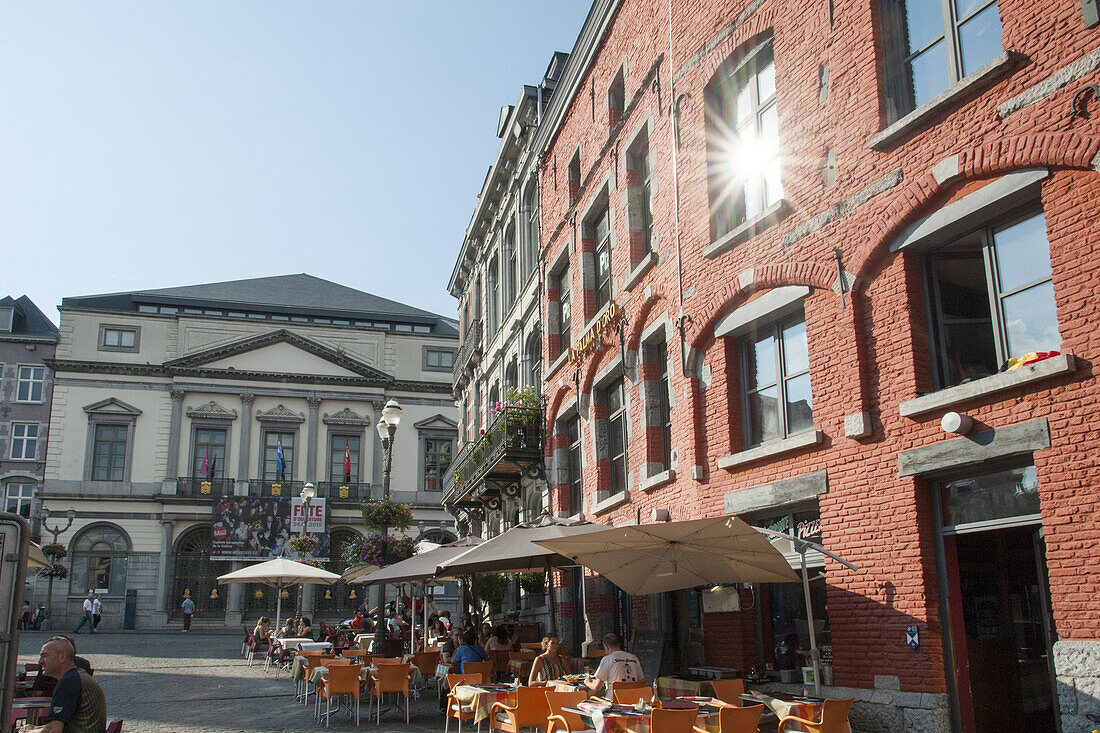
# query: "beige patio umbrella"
[279,573]
[355,572]
[654,558]
[36,558]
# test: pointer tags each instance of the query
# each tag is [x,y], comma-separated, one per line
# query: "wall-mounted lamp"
[661,515]
[956,423]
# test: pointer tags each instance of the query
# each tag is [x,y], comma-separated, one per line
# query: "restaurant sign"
[591,337]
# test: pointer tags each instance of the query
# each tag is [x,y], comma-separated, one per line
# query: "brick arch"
[638,323]
[1065,150]
[750,33]
[552,406]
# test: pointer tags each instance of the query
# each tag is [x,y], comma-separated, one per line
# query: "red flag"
[347,461]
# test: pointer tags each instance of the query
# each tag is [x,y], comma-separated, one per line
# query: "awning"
[515,551]
[421,566]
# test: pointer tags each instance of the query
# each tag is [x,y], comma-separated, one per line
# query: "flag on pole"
[347,461]
[205,469]
[213,467]
[280,464]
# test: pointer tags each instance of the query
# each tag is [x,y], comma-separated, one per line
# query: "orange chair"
[637,684]
[499,660]
[534,645]
[343,679]
[663,720]
[834,718]
[530,711]
[455,708]
[391,678]
[738,720]
[622,695]
[559,719]
[379,661]
[729,691]
[301,685]
[426,662]
[351,653]
[485,669]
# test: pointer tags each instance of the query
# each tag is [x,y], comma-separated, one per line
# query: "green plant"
[532,583]
[491,588]
[54,551]
[381,514]
[303,544]
[381,549]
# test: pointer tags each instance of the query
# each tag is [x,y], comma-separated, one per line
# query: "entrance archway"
[337,601]
[196,575]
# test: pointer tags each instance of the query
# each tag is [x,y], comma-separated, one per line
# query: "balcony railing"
[200,486]
[511,445]
[471,344]
[340,491]
[266,487]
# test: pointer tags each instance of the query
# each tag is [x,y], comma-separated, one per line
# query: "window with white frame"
[531,205]
[573,466]
[31,384]
[437,459]
[930,46]
[600,228]
[743,154]
[24,441]
[533,357]
[775,379]
[493,294]
[19,496]
[511,265]
[109,452]
[564,308]
[991,298]
[613,399]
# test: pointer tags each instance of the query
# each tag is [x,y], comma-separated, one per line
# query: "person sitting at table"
[262,632]
[287,630]
[43,679]
[305,629]
[466,621]
[78,703]
[500,641]
[470,651]
[451,644]
[547,666]
[356,621]
[485,634]
[615,666]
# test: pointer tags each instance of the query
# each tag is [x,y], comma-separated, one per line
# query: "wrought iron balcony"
[340,491]
[471,345]
[510,448]
[201,486]
[266,487]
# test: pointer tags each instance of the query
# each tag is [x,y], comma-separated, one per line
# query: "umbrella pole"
[550,599]
[584,610]
[424,610]
[278,608]
[810,621]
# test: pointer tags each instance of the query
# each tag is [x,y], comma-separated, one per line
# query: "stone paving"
[198,683]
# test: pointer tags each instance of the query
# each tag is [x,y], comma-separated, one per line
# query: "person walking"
[188,608]
[97,611]
[87,618]
[25,615]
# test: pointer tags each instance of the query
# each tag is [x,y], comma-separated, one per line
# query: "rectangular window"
[493,292]
[930,46]
[18,499]
[209,453]
[24,441]
[616,100]
[601,230]
[532,206]
[118,338]
[775,369]
[573,466]
[338,447]
[565,309]
[31,384]
[639,161]
[442,360]
[743,142]
[991,299]
[664,406]
[109,453]
[271,465]
[511,267]
[437,459]
[616,436]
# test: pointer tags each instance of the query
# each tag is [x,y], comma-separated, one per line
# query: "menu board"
[648,646]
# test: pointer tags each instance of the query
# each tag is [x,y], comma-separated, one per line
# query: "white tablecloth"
[314,646]
[292,642]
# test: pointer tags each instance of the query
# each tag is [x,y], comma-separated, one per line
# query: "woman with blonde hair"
[548,665]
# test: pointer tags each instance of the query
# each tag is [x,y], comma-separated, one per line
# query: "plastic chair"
[738,720]
[663,720]
[391,678]
[635,685]
[455,708]
[499,660]
[530,711]
[285,659]
[729,691]
[485,669]
[349,653]
[834,718]
[534,645]
[426,662]
[115,726]
[621,695]
[247,638]
[255,646]
[343,679]
[301,690]
[559,719]
[273,651]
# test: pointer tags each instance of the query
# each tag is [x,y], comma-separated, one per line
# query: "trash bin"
[129,616]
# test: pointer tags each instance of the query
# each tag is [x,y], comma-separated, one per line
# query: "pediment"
[436,422]
[211,411]
[347,416]
[280,351]
[280,413]
[112,406]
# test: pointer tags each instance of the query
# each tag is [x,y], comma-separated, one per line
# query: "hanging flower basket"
[57,571]
[380,549]
[54,551]
[381,514]
[313,563]
[303,544]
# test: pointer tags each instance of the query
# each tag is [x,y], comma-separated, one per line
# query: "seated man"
[78,704]
[615,666]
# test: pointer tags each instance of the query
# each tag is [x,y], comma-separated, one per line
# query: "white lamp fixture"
[383,429]
[956,424]
[308,492]
[391,413]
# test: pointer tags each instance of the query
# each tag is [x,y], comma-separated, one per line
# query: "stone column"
[164,582]
[234,602]
[311,442]
[244,449]
[171,470]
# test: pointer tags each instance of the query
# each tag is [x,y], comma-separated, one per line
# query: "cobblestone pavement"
[198,683]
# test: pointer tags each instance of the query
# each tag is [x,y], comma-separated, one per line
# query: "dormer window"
[7,319]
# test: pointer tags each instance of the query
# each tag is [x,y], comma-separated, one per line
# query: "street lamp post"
[387,432]
[44,514]
[307,494]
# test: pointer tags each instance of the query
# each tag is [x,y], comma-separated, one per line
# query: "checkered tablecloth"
[614,719]
[783,708]
[520,669]
[679,687]
[482,699]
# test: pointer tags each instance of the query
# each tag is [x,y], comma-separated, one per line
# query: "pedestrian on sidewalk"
[97,611]
[25,615]
[188,607]
[87,619]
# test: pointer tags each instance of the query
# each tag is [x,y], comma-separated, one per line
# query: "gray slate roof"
[288,294]
[30,322]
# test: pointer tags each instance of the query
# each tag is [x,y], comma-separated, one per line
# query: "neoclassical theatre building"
[170,411]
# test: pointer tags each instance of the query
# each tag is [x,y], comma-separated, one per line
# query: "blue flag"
[280,462]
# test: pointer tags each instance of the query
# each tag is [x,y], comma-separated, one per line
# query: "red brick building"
[783,242]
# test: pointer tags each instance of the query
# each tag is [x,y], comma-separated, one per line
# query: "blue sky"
[150,144]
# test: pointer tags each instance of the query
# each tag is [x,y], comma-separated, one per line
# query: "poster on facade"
[259,528]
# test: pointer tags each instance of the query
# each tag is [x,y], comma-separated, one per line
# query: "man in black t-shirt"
[78,704]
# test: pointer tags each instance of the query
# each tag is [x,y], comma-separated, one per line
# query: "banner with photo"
[260,528]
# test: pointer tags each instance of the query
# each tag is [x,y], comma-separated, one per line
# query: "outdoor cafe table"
[680,687]
[33,706]
[483,697]
[801,707]
[520,669]
[608,718]
[314,646]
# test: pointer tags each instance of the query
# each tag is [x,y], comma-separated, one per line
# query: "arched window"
[438,535]
[99,560]
[339,600]
[511,377]
[196,575]
[533,357]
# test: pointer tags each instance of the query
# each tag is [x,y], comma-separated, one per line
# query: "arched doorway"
[338,601]
[197,575]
